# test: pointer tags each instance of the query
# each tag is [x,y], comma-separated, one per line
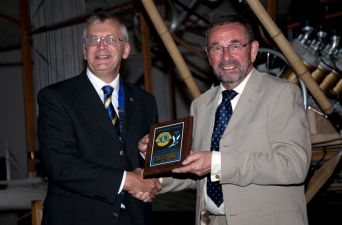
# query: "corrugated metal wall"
[57,55]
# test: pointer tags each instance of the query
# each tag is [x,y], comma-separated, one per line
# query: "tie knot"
[107,90]
[228,95]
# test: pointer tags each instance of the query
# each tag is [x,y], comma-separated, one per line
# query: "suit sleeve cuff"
[215,166]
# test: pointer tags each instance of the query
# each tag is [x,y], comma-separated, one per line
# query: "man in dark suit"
[88,137]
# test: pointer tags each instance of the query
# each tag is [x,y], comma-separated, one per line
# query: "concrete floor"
[179,209]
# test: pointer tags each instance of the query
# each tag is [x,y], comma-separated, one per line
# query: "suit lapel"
[248,100]
[129,106]
[94,106]
[210,111]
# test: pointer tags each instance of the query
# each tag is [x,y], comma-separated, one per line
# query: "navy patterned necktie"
[223,113]
[108,90]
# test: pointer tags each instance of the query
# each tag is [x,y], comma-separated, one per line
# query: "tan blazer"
[265,150]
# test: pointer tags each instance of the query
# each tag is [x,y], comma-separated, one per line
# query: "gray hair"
[102,17]
[228,19]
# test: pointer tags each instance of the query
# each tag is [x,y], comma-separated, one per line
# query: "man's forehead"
[230,27]
[229,34]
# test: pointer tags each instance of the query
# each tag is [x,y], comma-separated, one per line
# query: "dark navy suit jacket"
[84,156]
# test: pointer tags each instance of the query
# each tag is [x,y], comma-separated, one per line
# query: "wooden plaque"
[169,145]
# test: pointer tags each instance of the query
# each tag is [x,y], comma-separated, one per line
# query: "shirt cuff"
[215,166]
[122,182]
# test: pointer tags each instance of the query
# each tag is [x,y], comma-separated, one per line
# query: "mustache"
[230,62]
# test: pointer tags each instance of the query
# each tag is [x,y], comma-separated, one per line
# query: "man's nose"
[102,43]
[226,54]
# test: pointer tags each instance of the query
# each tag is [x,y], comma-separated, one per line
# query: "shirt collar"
[98,84]
[239,89]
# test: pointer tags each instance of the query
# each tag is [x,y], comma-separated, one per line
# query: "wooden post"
[321,176]
[171,47]
[28,86]
[272,8]
[37,212]
[146,54]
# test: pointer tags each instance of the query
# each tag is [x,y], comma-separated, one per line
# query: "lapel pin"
[130,99]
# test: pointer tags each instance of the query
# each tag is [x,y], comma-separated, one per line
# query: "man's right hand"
[198,163]
[140,188]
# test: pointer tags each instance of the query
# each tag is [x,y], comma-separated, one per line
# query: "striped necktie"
[108,90]
[223,113]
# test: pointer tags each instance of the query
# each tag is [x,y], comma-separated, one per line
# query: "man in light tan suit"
[264,153]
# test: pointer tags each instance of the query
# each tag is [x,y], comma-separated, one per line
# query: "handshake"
[198,163]
[140,188]
[136,185]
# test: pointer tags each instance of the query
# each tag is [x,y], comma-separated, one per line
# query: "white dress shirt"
[216,155]
[98,84]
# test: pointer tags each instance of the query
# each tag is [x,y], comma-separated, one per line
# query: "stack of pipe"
[321,58]
[300,69]
[337,89]
[308,55]
[330,82]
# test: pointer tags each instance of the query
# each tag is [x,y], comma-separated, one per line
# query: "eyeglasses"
[233,48]
[95,40]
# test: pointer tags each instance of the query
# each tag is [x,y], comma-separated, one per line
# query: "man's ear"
[127,49]
[209,60]
[254,50]
[84,52]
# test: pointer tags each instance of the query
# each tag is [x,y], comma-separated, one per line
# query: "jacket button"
[121,152]
[218,177]
[116,215]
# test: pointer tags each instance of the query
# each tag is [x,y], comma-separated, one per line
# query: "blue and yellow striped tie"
[108,90]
